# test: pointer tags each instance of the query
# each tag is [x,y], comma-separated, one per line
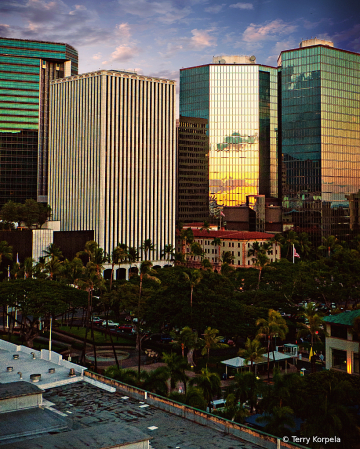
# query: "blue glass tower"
[319,104]
[26,69]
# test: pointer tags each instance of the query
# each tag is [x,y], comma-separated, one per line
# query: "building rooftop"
[346,318]
[89,407]
[100,436]
[26,364]
[238,235]
[18,389]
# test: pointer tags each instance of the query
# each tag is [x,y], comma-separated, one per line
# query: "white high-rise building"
[112,157]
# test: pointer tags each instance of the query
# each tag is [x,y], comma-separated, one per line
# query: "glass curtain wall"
[239,102]
[26,68]
[320,88]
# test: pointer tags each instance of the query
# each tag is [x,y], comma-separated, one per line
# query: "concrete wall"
[262,439]
[348,345]
[20,403]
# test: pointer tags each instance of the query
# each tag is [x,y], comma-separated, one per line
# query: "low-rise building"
[341,344]
[215,243]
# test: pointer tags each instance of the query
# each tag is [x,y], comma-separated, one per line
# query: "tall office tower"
[239,99]
[112,157]
[192,170]
[319,104]
[26,69]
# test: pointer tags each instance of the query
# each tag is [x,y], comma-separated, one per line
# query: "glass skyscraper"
[239,99]
[26,69]
[319,104]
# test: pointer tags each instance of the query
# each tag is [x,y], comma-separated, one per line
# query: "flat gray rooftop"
[28,423]
[27,365]
[100,436]
[89,406]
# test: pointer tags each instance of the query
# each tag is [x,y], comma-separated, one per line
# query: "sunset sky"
[160,37]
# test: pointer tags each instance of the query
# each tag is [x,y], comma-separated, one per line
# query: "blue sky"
[158,37]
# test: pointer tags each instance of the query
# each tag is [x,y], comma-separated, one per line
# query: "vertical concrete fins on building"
[112,157]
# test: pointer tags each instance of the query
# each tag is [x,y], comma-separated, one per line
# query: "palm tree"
[206,264]
[53,251]
[246,388]
[127,376]
[253,352]
[118,256]
[187,237]
[227,257]
[278,421]
[304,244]
[193,279]
[28,267]
[184,339]
[147,246]
[133,255]
[209,383]
[314,326]
[217,242]
[330,244]
[168,251]
[275,325]
[212,341]
[89,249]
[72,271]
[176,366]
[145,272]
[289,241]
[196,249]
[155,381]
[5,251]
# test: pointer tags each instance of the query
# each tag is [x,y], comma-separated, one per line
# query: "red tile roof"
[238,235]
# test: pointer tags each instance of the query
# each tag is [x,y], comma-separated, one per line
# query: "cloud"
[199,40]
[202,39]
[242,5]
[97,56]
[164,10]
[268,31]
[123,30]
[214,9]
[5,29]
[351,36]
[123,53]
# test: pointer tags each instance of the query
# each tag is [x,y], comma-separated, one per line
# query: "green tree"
[5,251]
[155,381]
[118,256]
[176,366]
[268,329]
[217,242]
[167,252]
[330,244]
[212,341]
[315,325]
[187,237]
[147,246]
[209,383]
[278,421]
[253,352]
[193,278]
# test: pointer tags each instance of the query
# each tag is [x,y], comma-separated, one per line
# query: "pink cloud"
[270,30]
[202,39]
[242,5]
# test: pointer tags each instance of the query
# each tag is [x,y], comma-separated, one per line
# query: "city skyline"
[159,38]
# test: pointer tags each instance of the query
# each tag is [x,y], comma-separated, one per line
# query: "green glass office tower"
[319,104]
[26,69]
[239,99]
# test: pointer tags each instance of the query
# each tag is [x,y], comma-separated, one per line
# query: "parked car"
[110,323]
[125,328]
[96,320]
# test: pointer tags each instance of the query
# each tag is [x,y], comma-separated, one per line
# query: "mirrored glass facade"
[319,104]
[240,103]
[26,68]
